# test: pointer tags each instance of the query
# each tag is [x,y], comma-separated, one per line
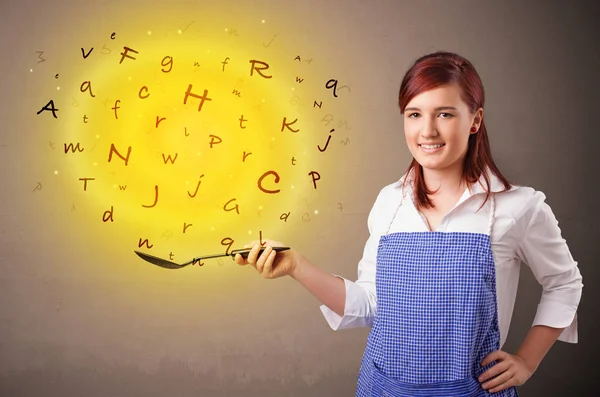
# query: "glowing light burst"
[211,139]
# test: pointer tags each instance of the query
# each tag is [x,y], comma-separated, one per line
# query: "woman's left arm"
[516,369]
[545,251]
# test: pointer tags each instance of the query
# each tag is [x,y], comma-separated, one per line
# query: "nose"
[429,128]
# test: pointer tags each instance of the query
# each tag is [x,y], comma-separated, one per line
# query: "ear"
[477,120]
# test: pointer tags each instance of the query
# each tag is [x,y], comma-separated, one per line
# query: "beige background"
[70,327]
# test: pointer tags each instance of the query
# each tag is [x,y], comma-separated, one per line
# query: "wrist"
[529,363]
[298,265]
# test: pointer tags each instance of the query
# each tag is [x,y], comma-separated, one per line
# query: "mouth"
[431,148]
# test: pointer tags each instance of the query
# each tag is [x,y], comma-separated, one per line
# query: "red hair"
[442,68]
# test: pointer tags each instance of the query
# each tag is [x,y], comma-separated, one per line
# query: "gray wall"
[81,315]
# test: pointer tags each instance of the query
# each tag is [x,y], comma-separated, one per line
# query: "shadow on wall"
[58,376]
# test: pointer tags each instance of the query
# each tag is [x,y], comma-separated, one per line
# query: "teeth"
[432,146]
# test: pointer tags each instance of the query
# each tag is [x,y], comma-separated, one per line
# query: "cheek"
[410,134]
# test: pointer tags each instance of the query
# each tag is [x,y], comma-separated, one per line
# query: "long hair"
[442,68]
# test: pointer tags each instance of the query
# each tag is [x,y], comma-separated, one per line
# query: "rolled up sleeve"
[546,252]
[361,298]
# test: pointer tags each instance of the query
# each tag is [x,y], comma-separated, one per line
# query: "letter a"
[50,107]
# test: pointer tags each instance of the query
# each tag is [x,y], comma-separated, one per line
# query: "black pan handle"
[245,251]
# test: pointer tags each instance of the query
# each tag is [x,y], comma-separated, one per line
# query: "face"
[437,126]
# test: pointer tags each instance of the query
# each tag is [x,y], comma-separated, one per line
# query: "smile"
[431,148]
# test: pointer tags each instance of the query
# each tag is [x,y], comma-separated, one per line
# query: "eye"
[445,115]
[413,115]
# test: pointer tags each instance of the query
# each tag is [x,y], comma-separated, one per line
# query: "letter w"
[168,158]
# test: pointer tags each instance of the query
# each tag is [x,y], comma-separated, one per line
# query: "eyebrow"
[436,109]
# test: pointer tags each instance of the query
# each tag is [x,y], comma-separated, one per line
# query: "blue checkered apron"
[436,316]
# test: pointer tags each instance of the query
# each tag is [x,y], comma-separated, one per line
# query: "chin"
[429,164]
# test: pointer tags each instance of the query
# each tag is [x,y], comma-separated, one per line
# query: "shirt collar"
[496,184]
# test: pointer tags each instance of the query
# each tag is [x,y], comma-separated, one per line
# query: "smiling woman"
[438,280]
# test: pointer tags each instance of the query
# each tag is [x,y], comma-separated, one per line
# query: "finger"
[240,260]
[253,255]
[502,382]
[494,356]
[268,269]
[495,370]
[260,264]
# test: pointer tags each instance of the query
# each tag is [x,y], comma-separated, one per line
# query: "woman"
[438,278]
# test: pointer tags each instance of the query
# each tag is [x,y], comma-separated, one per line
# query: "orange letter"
[263,177]
[113,149]
[253,67]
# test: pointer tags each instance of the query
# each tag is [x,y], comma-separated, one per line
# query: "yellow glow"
[174,156]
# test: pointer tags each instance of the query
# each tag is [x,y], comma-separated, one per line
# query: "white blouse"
[524,230]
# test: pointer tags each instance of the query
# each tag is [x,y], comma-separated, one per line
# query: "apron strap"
[492,214]
[397,209]
[490,223]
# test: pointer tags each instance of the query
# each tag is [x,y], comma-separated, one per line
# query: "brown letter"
[88,86]
[124,54]
[227,241]
[155,198]
[85,182]
[287,125]
[197,187]
[202,98]
[116,107]
[114,150]
[140,93]
[313,173]
[169,63]
[242,119]
[72,148]
[144,242]
[263,177]
[253,67]
[236,209]
[168,158]
[212,140]
[245,155]
[262,243]
[185,226]
[284,217]
[108,215]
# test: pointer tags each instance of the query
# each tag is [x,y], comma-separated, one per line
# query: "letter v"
[88,54]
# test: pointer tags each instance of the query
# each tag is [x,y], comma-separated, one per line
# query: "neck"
[444,181]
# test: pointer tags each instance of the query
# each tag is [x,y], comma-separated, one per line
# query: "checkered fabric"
[436,317]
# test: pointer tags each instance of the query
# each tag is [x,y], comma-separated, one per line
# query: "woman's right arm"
[346,304]
[327,288]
